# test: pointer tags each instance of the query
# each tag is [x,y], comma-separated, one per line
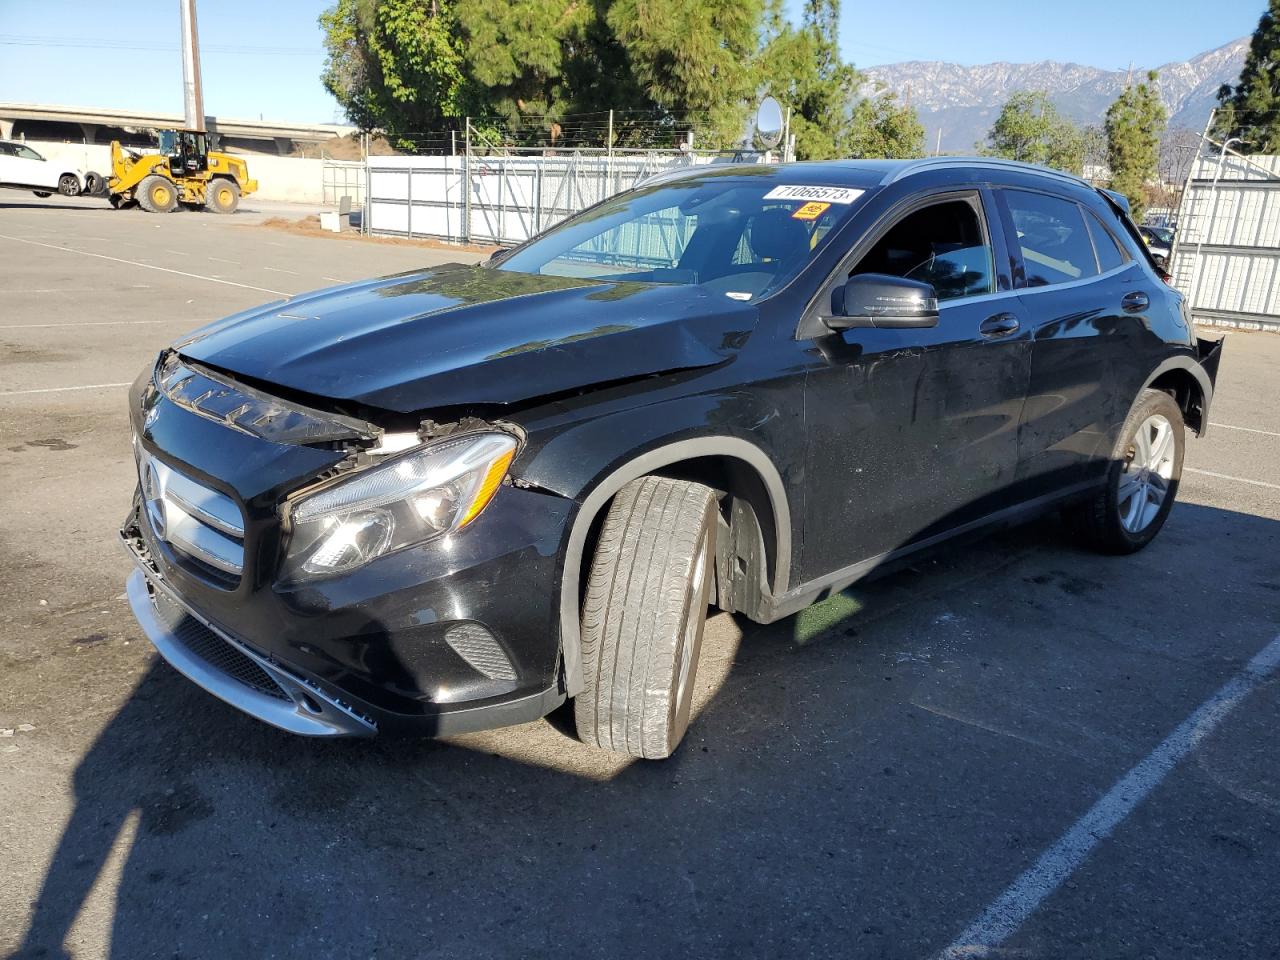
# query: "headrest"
[776,236]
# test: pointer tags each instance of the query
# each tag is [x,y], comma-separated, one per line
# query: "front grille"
[213,649]
[203,526]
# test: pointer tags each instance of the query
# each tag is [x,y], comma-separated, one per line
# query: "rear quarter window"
[1110,253]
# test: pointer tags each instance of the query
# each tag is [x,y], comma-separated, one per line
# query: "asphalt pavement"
[1013,749]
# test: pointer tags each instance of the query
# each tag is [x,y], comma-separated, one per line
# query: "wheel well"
[744,500]
[1186,392]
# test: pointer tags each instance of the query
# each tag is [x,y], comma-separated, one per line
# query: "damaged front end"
[323,548]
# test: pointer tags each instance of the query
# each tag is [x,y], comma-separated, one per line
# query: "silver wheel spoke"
[1161,447]
[1143,485]
[1130,484]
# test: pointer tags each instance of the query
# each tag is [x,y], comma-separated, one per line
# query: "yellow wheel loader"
[185,172]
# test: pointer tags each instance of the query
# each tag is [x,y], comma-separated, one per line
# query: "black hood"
[461,335]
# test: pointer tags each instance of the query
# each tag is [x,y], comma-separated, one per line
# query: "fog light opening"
[309,704]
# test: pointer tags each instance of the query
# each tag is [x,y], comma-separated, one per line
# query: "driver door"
[913,432]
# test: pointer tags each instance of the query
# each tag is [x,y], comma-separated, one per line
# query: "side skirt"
[797,598]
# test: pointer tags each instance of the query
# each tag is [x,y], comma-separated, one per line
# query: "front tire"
[1142,479]
[42,194]
[157,194]
[223,196]
[643,616]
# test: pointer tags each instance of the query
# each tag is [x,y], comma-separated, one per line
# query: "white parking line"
[278,270]
[1223,476]
[222,260]
[149,266]
[87,386]
[1227,426]
[1024,896]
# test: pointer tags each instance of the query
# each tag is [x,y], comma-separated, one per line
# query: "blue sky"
[264,58]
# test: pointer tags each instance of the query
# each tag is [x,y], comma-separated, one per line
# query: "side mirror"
[881,300]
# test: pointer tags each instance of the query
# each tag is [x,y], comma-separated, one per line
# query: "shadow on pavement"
[869,773]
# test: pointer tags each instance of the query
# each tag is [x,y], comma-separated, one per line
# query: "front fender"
[592,460]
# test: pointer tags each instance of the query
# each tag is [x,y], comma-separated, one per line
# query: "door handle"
[1135,302]
[1001,325]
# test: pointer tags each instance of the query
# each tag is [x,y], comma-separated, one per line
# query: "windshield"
[1161,235]
[741,235]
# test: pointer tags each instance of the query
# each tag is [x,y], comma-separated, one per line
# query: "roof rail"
[913,167]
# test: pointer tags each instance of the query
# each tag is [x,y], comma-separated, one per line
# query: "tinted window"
[942,245]
[1110,255]
[1055,242]
[6,150]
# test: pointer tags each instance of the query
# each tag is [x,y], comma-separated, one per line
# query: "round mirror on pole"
[769,123]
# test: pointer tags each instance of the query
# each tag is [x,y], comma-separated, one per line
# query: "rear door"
[913,432]
[1087,318]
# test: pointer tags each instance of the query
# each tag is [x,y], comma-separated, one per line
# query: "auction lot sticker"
[818,194]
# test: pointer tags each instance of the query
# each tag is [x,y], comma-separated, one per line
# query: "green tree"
[883,127]
[1134,124]
[395,64]
[520,67]
[1029,128]
[805,72]
[1251,109]
[692,58]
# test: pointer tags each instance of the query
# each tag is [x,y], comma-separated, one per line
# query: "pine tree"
[1251,109]
[1134,124]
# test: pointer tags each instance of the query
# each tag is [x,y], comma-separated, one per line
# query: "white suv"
[22,167]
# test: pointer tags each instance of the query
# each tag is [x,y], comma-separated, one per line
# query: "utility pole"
[192,92]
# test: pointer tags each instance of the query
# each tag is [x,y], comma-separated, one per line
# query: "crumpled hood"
[459,335]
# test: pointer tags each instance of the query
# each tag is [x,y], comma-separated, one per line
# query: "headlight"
[431,491]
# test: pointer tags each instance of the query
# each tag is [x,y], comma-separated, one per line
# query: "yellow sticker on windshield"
[810,211]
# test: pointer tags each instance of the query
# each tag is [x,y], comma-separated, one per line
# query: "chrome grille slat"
[207,505]
[205,525]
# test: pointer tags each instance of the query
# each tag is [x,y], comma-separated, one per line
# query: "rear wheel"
[69,185]
[157,194]
[222,196]
[1142,480]
[643,616]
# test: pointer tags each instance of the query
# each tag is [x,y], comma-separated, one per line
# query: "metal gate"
[505,198]
[1226,258]
[343,178]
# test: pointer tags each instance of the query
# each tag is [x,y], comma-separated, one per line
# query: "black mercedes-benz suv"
[452,499]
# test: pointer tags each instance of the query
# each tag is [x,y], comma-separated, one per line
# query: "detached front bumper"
[320,699]
[233,672]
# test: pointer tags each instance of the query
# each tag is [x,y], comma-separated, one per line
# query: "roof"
[870,174]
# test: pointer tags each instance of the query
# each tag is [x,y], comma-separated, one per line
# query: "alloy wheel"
[1147,474]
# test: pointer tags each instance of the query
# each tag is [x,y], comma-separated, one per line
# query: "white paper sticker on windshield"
[820,194]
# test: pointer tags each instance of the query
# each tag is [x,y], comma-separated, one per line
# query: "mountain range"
[963,101]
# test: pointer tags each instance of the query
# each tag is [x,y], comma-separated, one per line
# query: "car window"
[26,153]
[6,150]
[1053,238]
[1110,253]
[942,244]
[741,236]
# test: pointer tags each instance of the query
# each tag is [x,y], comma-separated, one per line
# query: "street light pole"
[192,92]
